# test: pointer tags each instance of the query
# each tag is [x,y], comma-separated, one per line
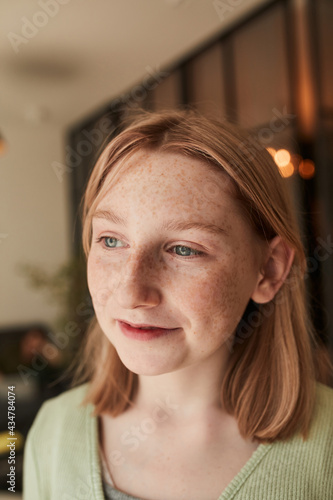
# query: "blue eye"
[186,251]
[110,241]
[183,251]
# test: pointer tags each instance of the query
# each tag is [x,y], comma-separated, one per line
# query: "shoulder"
[313,457]
[324,395]
[62,417]
[317,449]
[68,401]
[61,444]
[323,412]
[296,468]
[320,437]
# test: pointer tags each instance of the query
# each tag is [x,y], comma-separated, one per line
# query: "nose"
[138,283]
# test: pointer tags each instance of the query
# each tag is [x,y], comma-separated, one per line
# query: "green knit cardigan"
[61,460]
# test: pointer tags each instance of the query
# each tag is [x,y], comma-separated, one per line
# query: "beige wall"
[34,215]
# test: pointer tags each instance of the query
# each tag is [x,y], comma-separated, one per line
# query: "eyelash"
[198,252]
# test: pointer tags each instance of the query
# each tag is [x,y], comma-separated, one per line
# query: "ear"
[274,271]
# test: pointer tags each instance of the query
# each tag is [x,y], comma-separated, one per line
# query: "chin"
[147,367]
[147,372]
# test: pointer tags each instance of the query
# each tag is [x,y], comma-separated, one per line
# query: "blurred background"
[70,72]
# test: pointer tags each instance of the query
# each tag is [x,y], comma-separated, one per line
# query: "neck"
[188,393]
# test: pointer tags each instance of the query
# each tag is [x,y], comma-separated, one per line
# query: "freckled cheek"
[101,279]
[213,301]
[211,293]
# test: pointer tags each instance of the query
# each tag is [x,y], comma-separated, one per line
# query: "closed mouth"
[145,326]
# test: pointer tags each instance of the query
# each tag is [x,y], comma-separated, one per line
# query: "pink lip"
[142,325]
[143,334]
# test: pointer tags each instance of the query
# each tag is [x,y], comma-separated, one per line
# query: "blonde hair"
[269,385]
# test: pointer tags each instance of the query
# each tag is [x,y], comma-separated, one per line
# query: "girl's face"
[170,248]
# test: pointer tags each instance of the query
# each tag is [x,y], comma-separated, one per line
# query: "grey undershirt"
[111,493]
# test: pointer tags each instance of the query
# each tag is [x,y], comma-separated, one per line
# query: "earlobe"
[275,269]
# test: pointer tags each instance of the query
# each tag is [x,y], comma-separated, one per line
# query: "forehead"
[169,185]
[158,172]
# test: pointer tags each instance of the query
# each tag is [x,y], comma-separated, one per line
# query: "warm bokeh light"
[306,169]
[296,160]
[282,158]
[271,151]
[287,170]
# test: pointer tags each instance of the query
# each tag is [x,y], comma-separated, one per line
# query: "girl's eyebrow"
[110,216]
[183,226]
[169,225]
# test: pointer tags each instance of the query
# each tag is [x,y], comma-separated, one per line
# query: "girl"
[200,365]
